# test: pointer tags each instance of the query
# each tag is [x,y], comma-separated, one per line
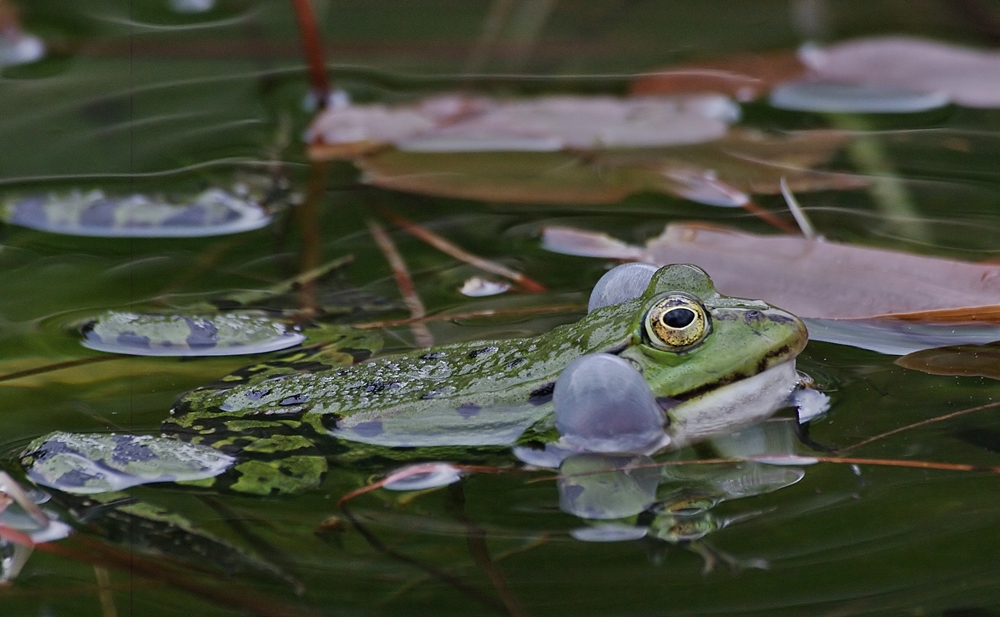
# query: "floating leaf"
[973,360]
[718,173]
[422,477]
[82,463]
[813,278]
[968,76]
[896,337]
[477,286]
[744,77]
[92,213]
[16,45]
[854,98]
[224,334]
[454,123]
[192,6]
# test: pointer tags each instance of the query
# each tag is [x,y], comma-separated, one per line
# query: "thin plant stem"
[449,248]
[421,335]
[896,431]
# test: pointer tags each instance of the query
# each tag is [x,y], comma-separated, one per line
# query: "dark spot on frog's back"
[433,355]
[542,394]
[295,399]
[475,353]
[516,362]
[380,386]
[468,410]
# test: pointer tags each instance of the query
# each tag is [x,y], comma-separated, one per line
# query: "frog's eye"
[676,322]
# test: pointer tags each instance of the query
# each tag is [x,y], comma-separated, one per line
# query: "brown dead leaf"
[721,172]
[744,77]
[813,278]
[754,162]
[517,177]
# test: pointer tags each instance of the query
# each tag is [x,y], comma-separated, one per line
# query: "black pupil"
[678,317]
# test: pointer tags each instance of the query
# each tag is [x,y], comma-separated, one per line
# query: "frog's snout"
[788,332]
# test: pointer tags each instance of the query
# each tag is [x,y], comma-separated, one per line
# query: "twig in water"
[476,540]
[447,247]
[800,216]
[947,416]
[770,218]
[433,571]
[421,335]
[58,366]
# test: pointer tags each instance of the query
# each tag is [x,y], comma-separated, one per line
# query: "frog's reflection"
[630,497]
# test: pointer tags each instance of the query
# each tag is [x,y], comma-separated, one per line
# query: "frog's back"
[484,393]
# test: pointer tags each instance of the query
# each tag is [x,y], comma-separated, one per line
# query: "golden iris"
[677,322]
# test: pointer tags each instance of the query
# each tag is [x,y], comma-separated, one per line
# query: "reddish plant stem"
[312,48]
[448,248]
[771,218]
[421,335]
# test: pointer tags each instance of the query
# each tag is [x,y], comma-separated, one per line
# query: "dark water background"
[135,96]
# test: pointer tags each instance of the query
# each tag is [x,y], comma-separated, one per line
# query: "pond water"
[141,98]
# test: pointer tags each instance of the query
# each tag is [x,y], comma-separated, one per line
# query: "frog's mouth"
[733,406]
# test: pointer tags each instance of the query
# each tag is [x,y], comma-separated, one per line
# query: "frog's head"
[688,339]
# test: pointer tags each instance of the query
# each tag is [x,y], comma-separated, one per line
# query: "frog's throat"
[732,407]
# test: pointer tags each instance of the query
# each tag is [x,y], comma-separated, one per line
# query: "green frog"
[712,363]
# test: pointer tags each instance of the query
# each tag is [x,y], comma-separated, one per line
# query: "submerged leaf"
[721,172]
[814,278]
[224,334]
[455,123]
[82,463]
[93,213]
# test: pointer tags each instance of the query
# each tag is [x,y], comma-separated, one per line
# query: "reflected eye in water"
[676,322]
